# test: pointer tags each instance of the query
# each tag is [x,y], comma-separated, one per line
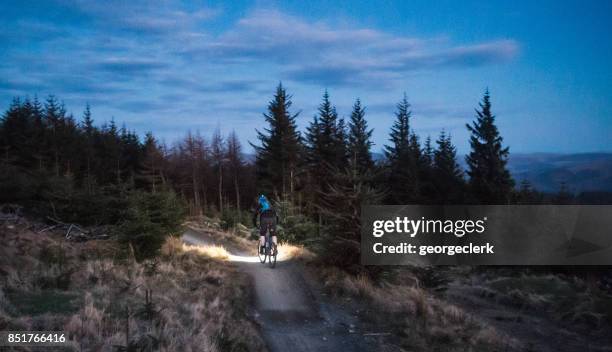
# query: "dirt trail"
[292,314]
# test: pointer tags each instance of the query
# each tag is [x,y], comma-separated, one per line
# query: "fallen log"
[74,232]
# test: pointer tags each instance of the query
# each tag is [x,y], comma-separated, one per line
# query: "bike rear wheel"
[272,257]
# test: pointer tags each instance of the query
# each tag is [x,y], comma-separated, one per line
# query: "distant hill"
[581,172]
[249,158]
[546,172]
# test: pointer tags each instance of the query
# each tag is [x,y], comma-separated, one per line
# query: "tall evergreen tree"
[326,138]
[39,128]
[279,152]
[152,171]
[54,116]
[217,151]
[87,120]
[426,187]
[526,194]
[447,174]
[402,158]
[88,148]
[235,165]
[340,206]
[341,143]
[131,155]
[326,153]
[15,127]
[490,181]
[360,140]
[428,152]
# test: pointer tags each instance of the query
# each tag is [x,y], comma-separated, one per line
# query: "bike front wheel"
[262,257]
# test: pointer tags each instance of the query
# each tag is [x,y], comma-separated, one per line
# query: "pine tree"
[279,153]
[341,205]
[54,115]
[326,153]
[152,171]
[341,143]
[88,122]
[88,148]
[39,127]
[402,158]
[428,152]
[235,165]
[131,155]
[217,151]
[360,140]
[108,154]
[527,194]
[490,181]
[15,131]
[326,137]
[447,174]
[426,186]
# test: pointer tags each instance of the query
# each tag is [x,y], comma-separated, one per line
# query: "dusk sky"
[169,67]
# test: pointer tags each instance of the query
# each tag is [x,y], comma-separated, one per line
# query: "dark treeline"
[304,168]
[326,173]
[104,174]
[43,140]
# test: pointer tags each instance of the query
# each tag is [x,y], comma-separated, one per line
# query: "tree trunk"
[220,188]
[237,194]
[88,173]
[196,194]
[291,186]
[118,173]
[57,168]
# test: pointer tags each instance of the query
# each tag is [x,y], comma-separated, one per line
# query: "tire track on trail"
[292,315]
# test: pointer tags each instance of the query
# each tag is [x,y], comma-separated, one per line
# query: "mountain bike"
[270,250]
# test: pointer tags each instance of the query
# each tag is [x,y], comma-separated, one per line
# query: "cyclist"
[267,220]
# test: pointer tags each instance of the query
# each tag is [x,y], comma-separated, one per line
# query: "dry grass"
[421,321]
[289,251]
[198,302]
[240,243]
[220,236]
[211,251]
[566,298]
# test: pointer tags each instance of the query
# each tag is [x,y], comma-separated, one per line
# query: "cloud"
[166,64]
[19,85]
[143,17]
[169,46]
[129,66]
[222,86]
[139,105]
[315,52]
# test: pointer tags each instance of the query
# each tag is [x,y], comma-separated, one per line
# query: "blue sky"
[174,66]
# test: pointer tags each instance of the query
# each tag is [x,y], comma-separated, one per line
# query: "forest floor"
[208,291]
[104,300]
[301,306]
[292,312]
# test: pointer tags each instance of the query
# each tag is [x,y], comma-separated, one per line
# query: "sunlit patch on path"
[206,247]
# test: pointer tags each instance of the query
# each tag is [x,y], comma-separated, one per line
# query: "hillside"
[582,172]
[106,301]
